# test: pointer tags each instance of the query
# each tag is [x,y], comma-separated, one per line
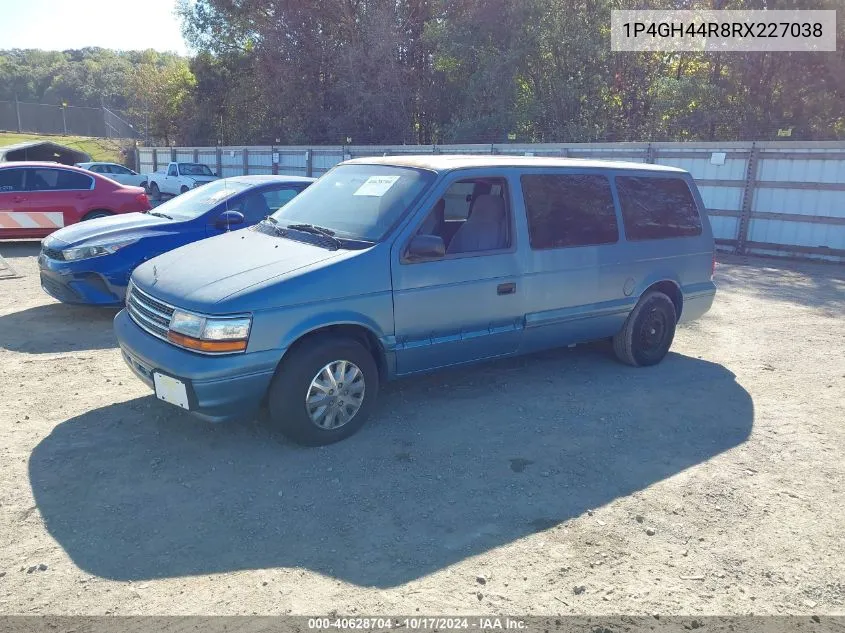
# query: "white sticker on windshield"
[376,186]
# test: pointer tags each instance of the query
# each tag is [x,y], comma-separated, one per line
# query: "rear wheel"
[324,391]
[93,215]
[155,192]
[648,331]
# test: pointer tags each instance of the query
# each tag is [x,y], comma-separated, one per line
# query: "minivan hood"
[127,225]
[199,275]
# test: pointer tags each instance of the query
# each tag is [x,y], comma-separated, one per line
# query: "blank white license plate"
[171,390]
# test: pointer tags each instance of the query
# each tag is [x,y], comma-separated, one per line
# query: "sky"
[64,24]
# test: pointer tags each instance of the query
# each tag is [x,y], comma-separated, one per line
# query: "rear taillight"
[142,199]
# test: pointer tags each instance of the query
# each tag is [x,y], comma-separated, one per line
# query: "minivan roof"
[446,162]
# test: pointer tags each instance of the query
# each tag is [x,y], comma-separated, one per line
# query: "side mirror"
[228,219]
[425,248]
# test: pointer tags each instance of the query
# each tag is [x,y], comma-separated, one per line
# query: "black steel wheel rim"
[653,331]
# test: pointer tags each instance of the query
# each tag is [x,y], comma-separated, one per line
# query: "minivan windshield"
[195,202]
[357,201]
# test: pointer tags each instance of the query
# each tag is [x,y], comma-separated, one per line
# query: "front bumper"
[75,282]
[220,388]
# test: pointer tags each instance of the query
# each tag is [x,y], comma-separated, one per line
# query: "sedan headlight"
[94,250]
[209,334]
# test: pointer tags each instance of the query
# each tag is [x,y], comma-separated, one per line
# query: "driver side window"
[172,171]
[473,215]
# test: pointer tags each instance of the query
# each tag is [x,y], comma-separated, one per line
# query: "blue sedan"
[90,262]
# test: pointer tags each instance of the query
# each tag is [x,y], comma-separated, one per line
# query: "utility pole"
[64,120]
[18,111]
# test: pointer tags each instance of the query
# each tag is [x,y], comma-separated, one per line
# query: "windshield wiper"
[160,215]
[317,230]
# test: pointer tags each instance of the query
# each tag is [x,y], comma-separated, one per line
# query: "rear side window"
[277,198]
[656,208]
[569,210]
[11,180]
[56,180]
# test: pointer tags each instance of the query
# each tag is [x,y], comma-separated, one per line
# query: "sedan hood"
[128,225]
[201,275]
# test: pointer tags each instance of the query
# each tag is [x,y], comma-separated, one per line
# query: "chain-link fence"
[42,118]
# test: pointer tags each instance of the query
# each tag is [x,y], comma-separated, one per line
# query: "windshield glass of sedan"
[357,201]
[193,169]
[195,202]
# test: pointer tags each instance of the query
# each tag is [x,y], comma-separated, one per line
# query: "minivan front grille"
[149,313]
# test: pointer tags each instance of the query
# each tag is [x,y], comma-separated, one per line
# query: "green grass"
[100,149]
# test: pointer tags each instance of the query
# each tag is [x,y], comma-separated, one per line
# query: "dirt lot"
[559,483]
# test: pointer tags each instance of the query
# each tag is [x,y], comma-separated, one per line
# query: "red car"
[38,198]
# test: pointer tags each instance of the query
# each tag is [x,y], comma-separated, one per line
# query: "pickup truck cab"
[387,267]
[177,178]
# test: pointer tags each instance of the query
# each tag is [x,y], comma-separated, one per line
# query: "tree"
[161,88]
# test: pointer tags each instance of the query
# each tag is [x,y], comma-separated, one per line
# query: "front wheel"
[324,391]
[648,331]
[155,192]
[183,189]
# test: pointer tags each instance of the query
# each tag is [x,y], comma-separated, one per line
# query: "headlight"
[94,250]
[187,323]
[209,334]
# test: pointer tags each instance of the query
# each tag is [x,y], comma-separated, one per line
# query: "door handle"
[18,199]
[506,289]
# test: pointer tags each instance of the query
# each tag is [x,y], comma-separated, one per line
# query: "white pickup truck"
[178,178]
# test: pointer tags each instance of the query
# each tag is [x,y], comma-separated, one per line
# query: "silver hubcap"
[335,395]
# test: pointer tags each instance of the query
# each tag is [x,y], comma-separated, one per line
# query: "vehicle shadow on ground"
[453,465]
[57,327]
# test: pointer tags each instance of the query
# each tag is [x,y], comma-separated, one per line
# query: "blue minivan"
[387,267]
[90,262]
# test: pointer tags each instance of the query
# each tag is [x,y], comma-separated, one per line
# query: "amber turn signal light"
[206,346]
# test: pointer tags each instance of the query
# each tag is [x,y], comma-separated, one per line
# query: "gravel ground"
[561,483]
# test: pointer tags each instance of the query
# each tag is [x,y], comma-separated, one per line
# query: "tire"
[183,189]
[93,215]
[155,192]
[292,385]
[648,332]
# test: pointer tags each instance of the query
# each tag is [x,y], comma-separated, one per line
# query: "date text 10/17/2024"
[420,623]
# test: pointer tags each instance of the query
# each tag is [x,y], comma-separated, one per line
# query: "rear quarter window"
[657,208]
